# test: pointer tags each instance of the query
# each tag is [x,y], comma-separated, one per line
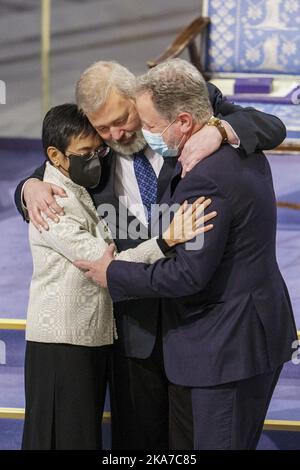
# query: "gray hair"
[177,86]
[96,82]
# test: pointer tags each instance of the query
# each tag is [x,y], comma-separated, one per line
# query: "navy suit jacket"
[231,316]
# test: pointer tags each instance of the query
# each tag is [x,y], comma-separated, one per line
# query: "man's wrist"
[218,124]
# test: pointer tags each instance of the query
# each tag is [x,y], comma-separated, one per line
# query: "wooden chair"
[186,40]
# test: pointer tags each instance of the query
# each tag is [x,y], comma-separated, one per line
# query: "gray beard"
[137,145]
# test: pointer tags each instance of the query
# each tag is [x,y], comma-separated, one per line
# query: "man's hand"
[202,144]
[39,197]
[96,270]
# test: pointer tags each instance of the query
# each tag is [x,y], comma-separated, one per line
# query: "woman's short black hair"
[63,122]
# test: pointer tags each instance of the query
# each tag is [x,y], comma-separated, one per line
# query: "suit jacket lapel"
[165,176]
[174,179]
[105,194]
[168,179]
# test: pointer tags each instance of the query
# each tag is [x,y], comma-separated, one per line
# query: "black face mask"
[85,170]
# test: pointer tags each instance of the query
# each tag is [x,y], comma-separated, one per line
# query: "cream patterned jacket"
[65,306]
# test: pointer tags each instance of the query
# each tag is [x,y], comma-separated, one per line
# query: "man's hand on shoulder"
[204,143]
[39,197]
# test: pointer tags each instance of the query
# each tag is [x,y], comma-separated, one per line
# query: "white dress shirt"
[126,186]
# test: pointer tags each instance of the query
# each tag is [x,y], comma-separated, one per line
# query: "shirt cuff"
[237,145]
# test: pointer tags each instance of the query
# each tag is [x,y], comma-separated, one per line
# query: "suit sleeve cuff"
[115,289]
[164,247]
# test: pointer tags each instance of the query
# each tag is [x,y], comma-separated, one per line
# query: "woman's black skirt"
[65,389]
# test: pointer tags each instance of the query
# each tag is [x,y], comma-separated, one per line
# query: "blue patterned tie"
[147,181]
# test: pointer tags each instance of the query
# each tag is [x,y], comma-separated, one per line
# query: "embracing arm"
[72,239]
[37,174]
[246,127]
[256,130]
[189,271]
[34,196]
[147,252]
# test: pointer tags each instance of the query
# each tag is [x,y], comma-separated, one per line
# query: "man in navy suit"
[140,388]
[228,327]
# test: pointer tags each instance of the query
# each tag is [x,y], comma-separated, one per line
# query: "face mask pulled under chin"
[85,171]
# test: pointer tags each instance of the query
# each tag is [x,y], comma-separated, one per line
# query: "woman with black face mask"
[70,324]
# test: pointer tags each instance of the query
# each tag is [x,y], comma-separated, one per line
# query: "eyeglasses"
[99,152]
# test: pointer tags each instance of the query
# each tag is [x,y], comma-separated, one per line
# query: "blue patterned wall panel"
[261,36]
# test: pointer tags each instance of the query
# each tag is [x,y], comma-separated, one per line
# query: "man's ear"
[186,121]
